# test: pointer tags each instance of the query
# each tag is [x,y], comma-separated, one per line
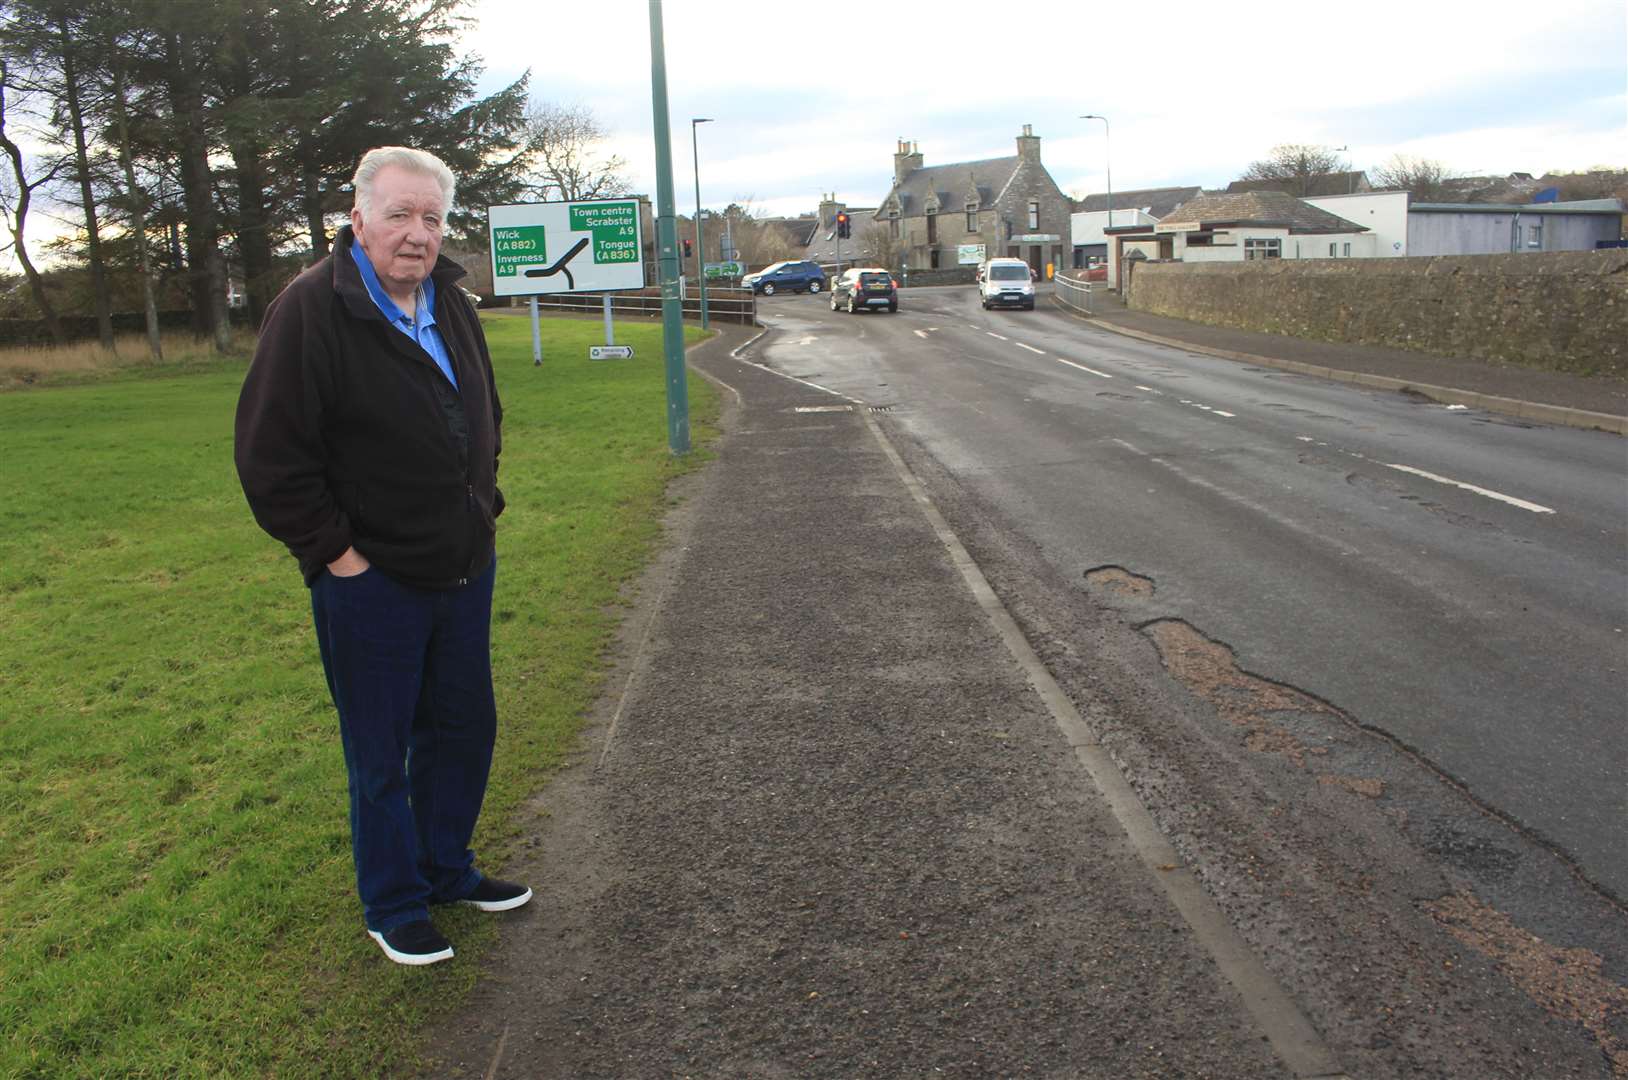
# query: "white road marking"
[1150,389]
[1510,499]
[1228,415]
[1082,367]
[1031,348]
[921,333]
[992,334]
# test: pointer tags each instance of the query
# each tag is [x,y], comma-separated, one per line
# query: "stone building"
[957,215]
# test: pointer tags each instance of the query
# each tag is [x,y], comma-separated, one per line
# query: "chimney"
[906,160]
[828,209]
[1028,145]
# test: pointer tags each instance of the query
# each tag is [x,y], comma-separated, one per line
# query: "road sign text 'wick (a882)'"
[558,247]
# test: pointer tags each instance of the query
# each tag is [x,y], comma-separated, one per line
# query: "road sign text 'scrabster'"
[556,247]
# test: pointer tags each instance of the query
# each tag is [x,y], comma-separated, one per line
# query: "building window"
[1333,250]
[1034,214]
[1263,247]
[972,218]
[1348,251]
[1534,236]
[932,227]
[933,256]
[893,224]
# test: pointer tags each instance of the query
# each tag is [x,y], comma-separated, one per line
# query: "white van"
[1007,283]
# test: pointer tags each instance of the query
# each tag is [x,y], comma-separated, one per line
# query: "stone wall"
[1564,311]
[959,275]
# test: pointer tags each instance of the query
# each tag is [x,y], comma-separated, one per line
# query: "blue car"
[802,276]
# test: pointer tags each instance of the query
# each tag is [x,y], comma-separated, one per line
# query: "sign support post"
[536,336]
[610,337]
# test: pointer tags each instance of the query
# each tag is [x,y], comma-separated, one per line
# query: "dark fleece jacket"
[349,435]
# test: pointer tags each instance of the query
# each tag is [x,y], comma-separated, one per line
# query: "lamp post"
[1108,163]
[700,248]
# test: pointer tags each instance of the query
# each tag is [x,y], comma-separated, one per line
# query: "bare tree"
[1292,167]
[26,178]
[1600,182]
[879,247]
[757,241]
[566,146]
[1425,178]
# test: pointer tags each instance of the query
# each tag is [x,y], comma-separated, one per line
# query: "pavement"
[833,818]
[1549,397]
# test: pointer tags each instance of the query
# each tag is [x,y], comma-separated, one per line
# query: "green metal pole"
[700,248]
[667,258]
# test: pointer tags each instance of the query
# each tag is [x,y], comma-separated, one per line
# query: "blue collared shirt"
[421,328]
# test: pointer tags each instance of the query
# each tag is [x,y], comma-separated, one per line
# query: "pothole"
[1366,786]
[1569,984]
[1120,582]
[1210,670]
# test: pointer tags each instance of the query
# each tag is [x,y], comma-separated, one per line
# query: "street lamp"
[1107,157]
[700,250]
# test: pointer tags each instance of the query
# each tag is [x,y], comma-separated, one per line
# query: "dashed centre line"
[992,334]
[1510,499]
[1082,367]
[1449,481]
[1031,348]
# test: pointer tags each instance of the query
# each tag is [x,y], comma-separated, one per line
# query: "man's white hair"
[403,157]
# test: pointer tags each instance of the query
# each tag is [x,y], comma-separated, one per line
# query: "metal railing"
[723,305]
[1073,294]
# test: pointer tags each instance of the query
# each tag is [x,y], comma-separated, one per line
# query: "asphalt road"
[1455,580]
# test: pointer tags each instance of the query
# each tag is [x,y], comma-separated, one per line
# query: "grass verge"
[176,896]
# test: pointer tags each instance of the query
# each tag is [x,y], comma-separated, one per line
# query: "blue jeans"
[410,672]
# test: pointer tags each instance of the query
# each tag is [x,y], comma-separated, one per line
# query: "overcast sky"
[808,98]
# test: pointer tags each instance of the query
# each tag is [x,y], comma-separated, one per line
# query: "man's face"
[402,232]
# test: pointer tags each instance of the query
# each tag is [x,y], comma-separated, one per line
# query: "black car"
[865,287]
[801,276]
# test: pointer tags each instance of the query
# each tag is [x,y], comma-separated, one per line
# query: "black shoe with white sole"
[494,895]
[415,943]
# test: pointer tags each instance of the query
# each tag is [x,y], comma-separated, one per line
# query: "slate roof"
[989,176]
[1273,208]
[1158,202]
[823,250]
[799,230]
[1339,183]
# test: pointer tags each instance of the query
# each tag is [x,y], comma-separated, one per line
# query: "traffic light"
[842,225]
[686,248]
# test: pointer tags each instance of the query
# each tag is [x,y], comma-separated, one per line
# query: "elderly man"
[367,442]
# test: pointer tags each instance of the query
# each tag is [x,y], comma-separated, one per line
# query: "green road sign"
[561,247]
[724,270]
[513,248]
[614,227]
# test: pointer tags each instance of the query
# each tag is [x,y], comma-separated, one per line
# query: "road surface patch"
[1567,983]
